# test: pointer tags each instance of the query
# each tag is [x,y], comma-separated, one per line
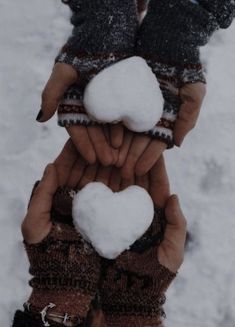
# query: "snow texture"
[127,91]
[201,172]
[112,222]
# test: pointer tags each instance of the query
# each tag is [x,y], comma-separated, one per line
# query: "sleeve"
[222,10]
[173,31]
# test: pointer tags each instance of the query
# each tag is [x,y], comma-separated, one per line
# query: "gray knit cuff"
[173,31]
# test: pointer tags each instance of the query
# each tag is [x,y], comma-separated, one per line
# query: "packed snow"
[201,172]
[126,91]
[110,221]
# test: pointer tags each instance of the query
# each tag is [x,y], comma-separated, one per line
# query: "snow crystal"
[127,91]
[111,222]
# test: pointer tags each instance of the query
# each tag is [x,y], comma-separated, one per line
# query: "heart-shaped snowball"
[112,222]
[126,91]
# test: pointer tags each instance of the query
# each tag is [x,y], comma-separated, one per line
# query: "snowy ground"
[202,172]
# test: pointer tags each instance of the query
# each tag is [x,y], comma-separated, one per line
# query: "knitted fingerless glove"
[133,285]
[101,29]
[65,268]
[171,79]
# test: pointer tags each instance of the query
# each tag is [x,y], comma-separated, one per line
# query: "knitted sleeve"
[173,30]
[102,26]
[222,10]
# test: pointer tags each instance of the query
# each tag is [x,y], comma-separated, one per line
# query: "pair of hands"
[71,170]
[134,152]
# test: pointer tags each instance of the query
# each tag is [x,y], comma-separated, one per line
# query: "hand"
[138,154]
[192,96]
[171,250]
[37,222]
[67,168]
[90,141]
[144,272]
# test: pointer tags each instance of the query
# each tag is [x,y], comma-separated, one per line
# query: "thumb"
[171,250]
[63,75]
[41,201]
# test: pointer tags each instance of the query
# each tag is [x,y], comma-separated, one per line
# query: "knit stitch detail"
[173,30]
[103,26]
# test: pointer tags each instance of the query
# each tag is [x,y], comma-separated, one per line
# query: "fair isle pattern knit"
[71,110]
[88,65]
[171,78]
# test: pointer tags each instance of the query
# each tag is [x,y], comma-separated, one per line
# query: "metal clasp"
[44,313]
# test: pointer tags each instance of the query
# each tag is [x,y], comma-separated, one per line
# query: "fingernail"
[40,114]
[175,197]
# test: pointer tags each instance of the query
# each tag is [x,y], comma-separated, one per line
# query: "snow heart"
[111,222]
[127,91]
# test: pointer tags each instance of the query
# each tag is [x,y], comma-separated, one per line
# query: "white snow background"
[202,172]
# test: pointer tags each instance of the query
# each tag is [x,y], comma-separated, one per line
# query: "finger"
[138,145]
[150,156]
[103,174]
[41,201]
[159,183]
[88,176]
[116,134]
[106,133]
[127,182]
[115,154]
[76,173]
[82,142]
[171,251]
[62,77]
[192,96]
[142,181]
[102,148]
[185,122]
[128,136]
[115,179]
[65,161]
